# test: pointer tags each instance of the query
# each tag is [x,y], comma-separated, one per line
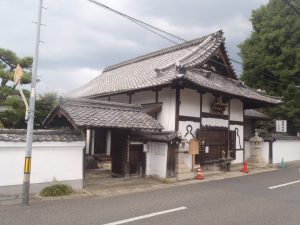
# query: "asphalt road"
[243,200]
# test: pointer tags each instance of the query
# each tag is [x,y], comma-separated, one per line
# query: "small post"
[27,166]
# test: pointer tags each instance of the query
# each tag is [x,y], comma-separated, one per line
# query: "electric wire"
[158,32]
[149,27]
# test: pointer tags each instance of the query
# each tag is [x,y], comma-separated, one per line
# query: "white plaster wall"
[156,164]
[236,110]
[289,150]
[238,141]
[238,157]
[143,97]
[189,103]
[208,100]
[124,98]
[247,149]
[51,161]
[214,122]
[167,115]
[182,130]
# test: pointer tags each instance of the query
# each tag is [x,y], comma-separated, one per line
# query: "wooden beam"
[190,118]
[240,123]
[216,116]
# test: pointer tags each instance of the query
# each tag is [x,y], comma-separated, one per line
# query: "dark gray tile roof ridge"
[162,51]
[37,131]
[100,104]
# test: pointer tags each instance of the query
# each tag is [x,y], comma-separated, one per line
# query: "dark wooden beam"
[216,116]
[240,123]
[156,101]
[190,118]
[177,107]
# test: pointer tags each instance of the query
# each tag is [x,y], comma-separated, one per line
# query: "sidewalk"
[119,186]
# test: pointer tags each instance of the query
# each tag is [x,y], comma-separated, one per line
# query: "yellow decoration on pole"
[18,74]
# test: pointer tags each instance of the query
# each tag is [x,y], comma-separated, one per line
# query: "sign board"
[281,126]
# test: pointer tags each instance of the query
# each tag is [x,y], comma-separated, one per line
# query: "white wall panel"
[190,103]
[51,161]
[167,115]
[143,97]
[124,98]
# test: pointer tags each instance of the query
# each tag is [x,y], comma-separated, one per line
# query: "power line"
[137,21]
[149,27]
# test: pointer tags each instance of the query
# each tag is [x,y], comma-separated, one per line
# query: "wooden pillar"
[201,100]
[93,142]
[156,101]
[228,132]
[126,160]
[177,105]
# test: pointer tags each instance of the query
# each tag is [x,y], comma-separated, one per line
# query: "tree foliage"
[271,58]
[14,116]
[9,95]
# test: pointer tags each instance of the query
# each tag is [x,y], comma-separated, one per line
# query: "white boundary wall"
[288,150]
[156,164]
[51,162]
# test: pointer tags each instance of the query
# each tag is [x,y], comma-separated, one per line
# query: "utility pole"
[27,166]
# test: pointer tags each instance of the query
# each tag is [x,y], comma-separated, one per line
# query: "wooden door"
[137,160]
[171,160]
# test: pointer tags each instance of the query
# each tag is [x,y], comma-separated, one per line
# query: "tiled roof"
[251,113]
[93,113]
[213,81]
[165,136]
[159,68]
[19,135]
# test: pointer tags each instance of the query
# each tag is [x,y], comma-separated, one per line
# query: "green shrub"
[56,190]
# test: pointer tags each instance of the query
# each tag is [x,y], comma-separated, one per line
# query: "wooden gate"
[137,160]
[214,144]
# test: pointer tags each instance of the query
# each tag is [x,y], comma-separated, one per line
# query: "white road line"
[286,184]
[146,216]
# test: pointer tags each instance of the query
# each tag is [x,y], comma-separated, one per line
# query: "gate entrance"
[214,144]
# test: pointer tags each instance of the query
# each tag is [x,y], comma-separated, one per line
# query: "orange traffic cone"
[199,173]
[245,168]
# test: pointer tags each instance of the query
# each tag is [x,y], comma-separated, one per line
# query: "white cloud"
[81,38]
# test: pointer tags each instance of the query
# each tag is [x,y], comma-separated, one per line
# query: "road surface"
[266,198]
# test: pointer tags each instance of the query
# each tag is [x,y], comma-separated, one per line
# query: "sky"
[80,39]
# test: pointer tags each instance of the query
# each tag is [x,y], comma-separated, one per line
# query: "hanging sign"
[281,126]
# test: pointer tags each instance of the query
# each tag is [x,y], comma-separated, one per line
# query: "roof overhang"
[85,113]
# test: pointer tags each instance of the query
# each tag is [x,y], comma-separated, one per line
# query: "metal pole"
[27,166]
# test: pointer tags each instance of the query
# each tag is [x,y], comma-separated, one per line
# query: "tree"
[44,104]
[9,96]
[14,116]
[271,58]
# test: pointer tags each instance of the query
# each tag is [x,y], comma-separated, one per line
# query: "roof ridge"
[97,103]
[160,52]
[38,131]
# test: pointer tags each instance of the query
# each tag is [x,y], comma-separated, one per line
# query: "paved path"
[242,200]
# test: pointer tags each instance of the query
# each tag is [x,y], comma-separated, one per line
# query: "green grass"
[56,190]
